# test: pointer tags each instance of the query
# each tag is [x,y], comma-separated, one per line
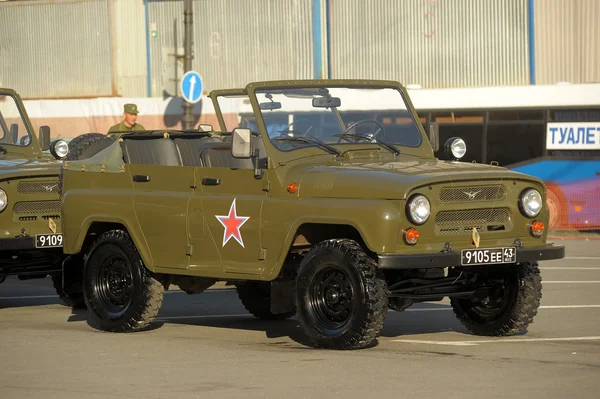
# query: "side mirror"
[14,133]
[434,136]
[45,137]
[241,147]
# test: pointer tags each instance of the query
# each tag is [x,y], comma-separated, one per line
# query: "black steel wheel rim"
[331,298]
[114,285]
[496,303]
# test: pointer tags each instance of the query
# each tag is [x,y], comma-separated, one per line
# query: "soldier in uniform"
[130,112]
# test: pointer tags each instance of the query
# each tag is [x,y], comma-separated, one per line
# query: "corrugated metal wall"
[445,43]
[43,58]
[235,41]
[129,42]
[567,41]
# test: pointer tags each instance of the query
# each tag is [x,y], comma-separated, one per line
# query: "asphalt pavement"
[207,345]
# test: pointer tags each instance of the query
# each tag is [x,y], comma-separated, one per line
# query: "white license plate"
[488,256]
[48,240]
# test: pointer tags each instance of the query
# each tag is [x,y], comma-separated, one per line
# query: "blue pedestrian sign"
[191,87]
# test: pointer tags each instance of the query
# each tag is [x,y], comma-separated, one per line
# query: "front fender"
[377,221]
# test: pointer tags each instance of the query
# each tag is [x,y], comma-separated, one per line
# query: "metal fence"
[235,42]
[42,58]
[458,43]
[567,45]
[132,48]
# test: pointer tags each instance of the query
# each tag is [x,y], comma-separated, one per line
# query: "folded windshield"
[349,116]
[13,130]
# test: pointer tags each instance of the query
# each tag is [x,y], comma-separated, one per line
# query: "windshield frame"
[424,150]
[33,149]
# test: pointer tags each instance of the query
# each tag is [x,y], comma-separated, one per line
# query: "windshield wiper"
[360,136]
[311,140]
[3,150]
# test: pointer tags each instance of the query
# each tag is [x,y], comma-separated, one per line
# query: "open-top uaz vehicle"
[321,199]
[30,225]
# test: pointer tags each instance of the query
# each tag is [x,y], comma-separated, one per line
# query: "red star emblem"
[232,223]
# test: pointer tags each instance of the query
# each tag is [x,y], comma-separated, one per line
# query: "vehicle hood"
[392,179]
[17,166]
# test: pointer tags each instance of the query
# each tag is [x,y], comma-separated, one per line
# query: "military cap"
[131,109]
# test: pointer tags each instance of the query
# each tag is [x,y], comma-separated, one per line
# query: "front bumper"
[17,243]
[452,259]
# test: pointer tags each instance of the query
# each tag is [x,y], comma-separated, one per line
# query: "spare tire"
[87,145]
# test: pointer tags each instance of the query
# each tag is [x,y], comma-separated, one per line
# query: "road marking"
[572,282]
[30,297]
[494,341]
[582,257]
[569,268]
[209,316]
[541,307]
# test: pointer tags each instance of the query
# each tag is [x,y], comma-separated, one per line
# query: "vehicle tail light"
[411,236]
[537,228]
[292,187]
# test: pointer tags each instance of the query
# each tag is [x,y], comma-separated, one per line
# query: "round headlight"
[59,149]
[455,148]
[530,202]
[3,200]
[419,209]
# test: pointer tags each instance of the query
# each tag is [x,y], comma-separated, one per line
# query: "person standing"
[129,122]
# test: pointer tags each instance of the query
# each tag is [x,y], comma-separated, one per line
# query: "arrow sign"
[191,87]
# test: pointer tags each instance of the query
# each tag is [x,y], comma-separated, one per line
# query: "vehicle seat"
[218,155]
[189,149]
[155,151]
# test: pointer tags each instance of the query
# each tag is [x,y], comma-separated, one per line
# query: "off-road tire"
[73,300]
[521,304]
[256,298]
[145,291]
[347,272]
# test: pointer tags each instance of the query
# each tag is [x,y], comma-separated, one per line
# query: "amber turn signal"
[292,187]
[411,236]
[537,228]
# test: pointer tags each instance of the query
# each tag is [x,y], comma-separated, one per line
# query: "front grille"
[458,222]
[471,194]
[45,208]
[38,187]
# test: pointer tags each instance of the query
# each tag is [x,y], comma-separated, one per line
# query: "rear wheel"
[256,298]
[121,294]
[511,304]
[341,299]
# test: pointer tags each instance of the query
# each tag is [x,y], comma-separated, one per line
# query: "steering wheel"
[381,128]
[286,130]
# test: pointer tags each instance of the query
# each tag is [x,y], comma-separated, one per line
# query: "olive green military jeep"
[320,199]
[30,220]
[30,225]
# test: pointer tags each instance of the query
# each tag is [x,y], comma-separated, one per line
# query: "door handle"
[141,178]
[210,181]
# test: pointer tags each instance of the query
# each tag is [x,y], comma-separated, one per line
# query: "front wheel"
[341,297]
[121,294]
[512,302]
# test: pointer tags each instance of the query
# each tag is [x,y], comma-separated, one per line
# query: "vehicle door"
[232,200]
[162,190]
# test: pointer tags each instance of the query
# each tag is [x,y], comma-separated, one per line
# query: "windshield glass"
[335,116]
[13,130]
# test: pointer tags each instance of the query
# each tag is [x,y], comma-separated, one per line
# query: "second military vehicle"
[320,199]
